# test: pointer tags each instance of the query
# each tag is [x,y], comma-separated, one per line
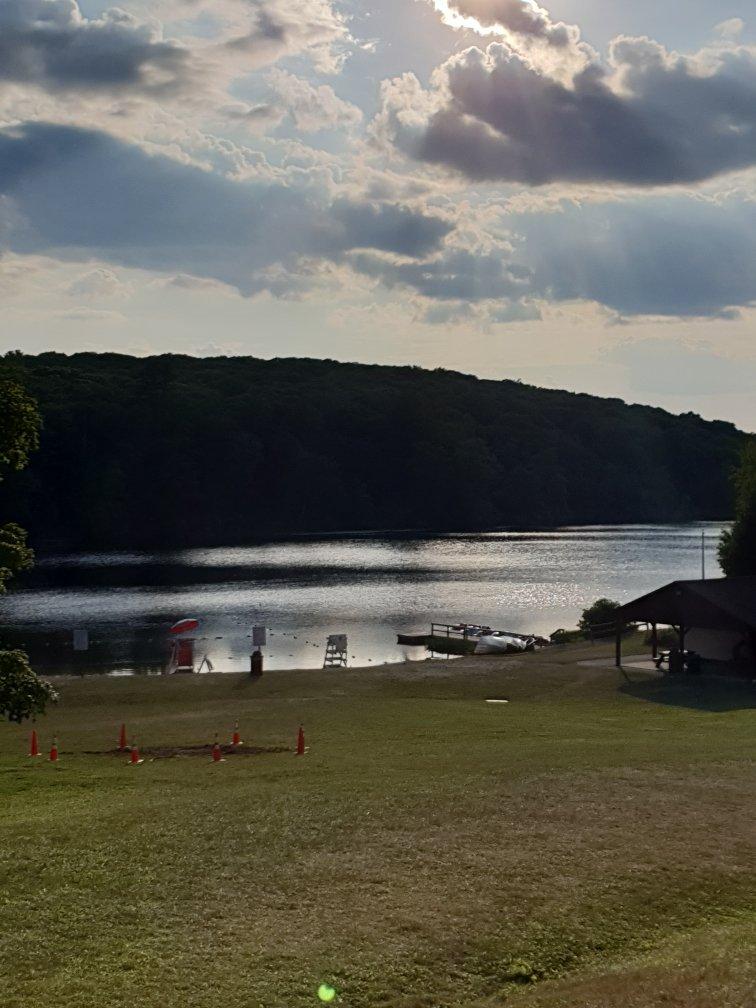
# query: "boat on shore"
[470,638]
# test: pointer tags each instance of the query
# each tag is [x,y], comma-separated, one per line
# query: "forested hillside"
[170,451]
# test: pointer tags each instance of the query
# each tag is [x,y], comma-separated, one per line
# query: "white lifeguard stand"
[336,651]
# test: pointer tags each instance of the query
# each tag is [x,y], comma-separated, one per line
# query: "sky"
[562,194]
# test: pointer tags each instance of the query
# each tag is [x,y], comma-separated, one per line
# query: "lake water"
[369,588]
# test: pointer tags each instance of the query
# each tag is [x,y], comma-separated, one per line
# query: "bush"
[22,693]
[564,636]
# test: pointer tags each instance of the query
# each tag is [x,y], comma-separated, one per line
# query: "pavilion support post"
[681,637]
[654,641]
[618,645]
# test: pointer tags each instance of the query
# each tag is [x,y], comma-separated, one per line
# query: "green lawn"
[589,844]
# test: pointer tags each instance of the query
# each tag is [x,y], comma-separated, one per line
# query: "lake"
[368,587]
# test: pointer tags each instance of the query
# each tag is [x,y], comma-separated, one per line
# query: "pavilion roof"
[714,604]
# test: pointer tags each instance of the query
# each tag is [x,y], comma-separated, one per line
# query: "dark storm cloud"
[647,119]
[82,193]
[48,43]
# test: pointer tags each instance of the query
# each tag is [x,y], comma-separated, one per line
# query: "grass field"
[588,844]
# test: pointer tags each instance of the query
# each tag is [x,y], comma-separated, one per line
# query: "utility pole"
[703,555]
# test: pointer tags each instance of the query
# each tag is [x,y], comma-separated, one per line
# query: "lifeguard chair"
[182,647]
[182,656]
[336,651]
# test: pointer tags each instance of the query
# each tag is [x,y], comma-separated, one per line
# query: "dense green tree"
[19,436]
[598,619]
[22,694]
[15,555]
[175,451]
[737,550]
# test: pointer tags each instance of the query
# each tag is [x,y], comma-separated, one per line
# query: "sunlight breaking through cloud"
[503,18]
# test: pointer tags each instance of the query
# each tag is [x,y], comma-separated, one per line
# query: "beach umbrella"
[184,626]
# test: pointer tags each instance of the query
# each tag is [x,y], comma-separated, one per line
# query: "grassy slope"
[583,845]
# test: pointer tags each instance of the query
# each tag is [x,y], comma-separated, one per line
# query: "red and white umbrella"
[184,626]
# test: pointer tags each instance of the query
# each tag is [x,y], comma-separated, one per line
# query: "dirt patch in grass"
[168,752]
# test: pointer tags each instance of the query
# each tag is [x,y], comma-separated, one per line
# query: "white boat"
[501,643]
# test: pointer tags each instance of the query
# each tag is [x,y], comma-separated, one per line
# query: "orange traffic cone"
[122,739]
[54,751]
[134,757]
[236,737]
[300,742]
[216,751]
[33,745]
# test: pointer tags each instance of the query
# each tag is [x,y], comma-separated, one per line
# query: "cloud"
[483,315]
[277,28]
[90,315]
[497,17]
[646,118]
[675,257]
[664,255]
[553,47]
[515,311]
[730,29]
[312,107]
[50,44]
[99,283]
[257,118]
[454,275]
[82,194]
[183,281]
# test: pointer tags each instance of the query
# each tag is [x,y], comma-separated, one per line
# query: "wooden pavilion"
[712,617]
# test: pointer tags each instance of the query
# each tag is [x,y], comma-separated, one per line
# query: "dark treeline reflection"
[171,451]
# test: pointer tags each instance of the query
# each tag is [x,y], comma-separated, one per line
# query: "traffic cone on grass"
[300,742]
[33,744]
[54,751]
[134,757]
[216,751]
[236,737]
[122,739]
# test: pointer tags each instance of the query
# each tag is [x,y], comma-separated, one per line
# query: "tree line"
[174,451]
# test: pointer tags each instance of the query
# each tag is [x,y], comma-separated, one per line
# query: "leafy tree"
[598,619]
[19,436]
[19,421]
[15,555]
[737,549]
[22,694]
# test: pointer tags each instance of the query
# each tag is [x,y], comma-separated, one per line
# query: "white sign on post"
[81,640]
[259,636]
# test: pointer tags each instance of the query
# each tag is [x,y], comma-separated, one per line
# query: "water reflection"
[366,587]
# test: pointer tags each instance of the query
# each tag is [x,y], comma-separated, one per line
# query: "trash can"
[256,663]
